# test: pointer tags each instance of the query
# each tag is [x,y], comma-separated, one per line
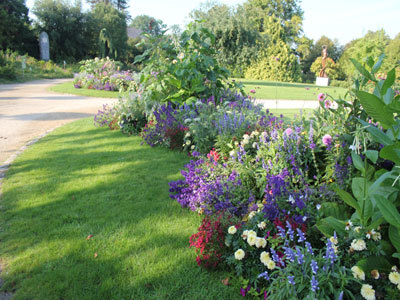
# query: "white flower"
[261,242]
[358,273]
[367,292]
[271,264]
[318,206]
[394,277]
[246,137]
[232,230]
[353,147]
[251,240]
[348,225]
[265,258]
[357,229]
[174,61]
[192,147]
[262,225]
[254,145]
[188,142]
[181,55]
[358,245]
[333,240]
[187,135]
[376,236]
[245,234]
[252,232]
[252,214]
[239,254]
[291,199]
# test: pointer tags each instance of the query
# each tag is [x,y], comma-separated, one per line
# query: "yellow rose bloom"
[265,258]
[251,240]
[358,273]
[260,242]
[232,230]
[394,277]
[239,254]
[271,264]
[367,292]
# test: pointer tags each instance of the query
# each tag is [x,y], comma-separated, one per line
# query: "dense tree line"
[261,39]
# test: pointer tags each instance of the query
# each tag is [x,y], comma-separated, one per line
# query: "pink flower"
[307,88]
[328,104]
[288,131]
[321,96]
[253,91]
[327,140]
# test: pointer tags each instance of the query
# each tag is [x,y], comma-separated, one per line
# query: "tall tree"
[392,52]
[149,25]
[15,31]
[118,4]
[114,21]
[68,28]
[237,37]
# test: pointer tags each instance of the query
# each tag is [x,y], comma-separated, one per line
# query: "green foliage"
[15,31]
[68,28]
[11,70]
[372,44]
[149,25]
[334,51]
[114,21]
[332,69]
[278,62]
[237,40]
[182,69]
[130,113]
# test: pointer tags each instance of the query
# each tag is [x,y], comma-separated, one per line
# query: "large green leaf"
[378,64]
[375,108]
[329,225]
[377,134]
[389,210]
[333,209]
[347,198]
[357,161]
[391,76]
[391,152]
[370,263]
[394,236]
[372,155]
[362,70]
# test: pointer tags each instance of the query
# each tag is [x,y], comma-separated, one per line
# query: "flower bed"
[105,74]
[302,210]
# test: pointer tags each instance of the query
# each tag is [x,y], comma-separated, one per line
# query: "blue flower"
[291,280]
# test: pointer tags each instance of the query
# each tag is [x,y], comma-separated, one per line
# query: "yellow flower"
[264,257]
[376,236]
[232,230]
[239,254]
[358,245]
[333,240]
[251,240]
[262,225]
[394,277]
[367,292]
[271,264]
[358,273]
[261,242]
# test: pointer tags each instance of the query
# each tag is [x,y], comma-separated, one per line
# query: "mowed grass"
[81,181]
[68,88]
[290,91]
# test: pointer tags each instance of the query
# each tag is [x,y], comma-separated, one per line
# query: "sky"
[344,20]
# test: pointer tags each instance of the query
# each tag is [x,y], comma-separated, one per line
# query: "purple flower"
[314,284]
[301,235]
[327,140]
[321,96]
[314,266]
[309,248]
[291,280]
[264,275]
[253,91]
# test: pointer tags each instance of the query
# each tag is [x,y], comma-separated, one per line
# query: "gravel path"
[28,111]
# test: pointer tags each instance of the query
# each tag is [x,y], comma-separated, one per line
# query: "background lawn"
[290,91]
[81,181]
[68,88]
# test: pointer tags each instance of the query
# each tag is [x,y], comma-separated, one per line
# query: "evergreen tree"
[15,31]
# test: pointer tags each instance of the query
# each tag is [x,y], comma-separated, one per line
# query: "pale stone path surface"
[28,110]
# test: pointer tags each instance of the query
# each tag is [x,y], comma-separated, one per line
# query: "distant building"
[134,33]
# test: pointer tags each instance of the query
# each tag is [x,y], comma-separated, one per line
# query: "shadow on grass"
[120,196]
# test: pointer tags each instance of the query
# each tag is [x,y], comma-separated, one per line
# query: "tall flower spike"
[300,235]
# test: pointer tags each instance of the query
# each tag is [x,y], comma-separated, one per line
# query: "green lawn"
[80,181]
[290,91]
[68,88]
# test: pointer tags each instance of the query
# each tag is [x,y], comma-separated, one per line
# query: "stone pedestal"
[322,81]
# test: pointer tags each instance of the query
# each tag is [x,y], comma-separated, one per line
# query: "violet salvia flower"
[264,275]
[314,266]
[300,256]
[291,280]
[314,284]
[289,254]
[290,230]
[282,232]
[309,248]
[275,256]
